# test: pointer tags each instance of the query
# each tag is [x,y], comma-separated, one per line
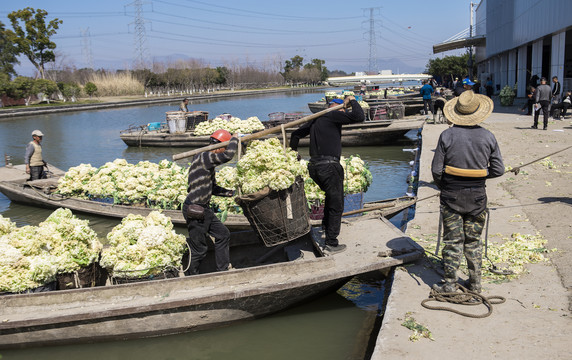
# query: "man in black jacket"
[466,155]
[324,166]
[556,90]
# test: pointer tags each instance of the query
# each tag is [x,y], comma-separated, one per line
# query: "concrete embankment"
[116,102]
[534,322]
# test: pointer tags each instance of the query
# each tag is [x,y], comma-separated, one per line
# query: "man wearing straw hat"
[466,155]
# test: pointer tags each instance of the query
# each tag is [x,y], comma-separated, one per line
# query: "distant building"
[517,39]
[524,38]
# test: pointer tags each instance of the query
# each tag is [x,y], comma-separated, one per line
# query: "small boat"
[40,193]
[367,133]
[411,105]
[263,281]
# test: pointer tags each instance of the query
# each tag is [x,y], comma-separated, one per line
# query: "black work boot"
[331,249]
[473,286]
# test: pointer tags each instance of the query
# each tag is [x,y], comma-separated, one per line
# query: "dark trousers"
[198,240]
[329,175]
[37,172]
[427,104]
[528,106]
[544,108]
[561,107]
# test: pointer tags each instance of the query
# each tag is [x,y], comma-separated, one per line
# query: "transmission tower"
[86,48]
[372,62]
[140,35]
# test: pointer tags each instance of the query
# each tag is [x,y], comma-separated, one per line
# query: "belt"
[323,158]
[473,173]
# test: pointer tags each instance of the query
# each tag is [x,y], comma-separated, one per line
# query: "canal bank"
[126,101]
[534,322]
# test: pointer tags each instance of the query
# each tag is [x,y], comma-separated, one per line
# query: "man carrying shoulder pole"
[324,166]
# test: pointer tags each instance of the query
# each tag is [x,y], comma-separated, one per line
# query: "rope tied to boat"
[463,297]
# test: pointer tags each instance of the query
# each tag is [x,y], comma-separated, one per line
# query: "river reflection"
[336,326]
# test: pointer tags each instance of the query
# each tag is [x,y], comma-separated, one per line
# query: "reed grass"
[117,84]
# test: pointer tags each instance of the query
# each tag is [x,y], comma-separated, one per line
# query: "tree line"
[30,36]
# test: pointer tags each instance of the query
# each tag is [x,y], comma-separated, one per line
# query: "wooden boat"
[368,133]
[39,193]
[263,281]
[412,105]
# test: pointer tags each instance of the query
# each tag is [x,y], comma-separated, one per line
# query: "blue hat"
[467,81]
[337,101]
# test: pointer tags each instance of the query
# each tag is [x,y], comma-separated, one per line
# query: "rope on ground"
[465,297]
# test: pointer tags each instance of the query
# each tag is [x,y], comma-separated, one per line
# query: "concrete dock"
[535,321]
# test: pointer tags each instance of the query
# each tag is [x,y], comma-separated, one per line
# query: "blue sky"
[264,34]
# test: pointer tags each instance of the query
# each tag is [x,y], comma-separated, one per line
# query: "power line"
[257,29]
[250,13]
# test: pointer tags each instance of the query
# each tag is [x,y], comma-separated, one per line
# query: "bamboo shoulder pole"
[259,134]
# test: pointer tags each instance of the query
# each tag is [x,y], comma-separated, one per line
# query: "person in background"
[556,90]
[33,158]
[542,101]
[466,84]
[530,99]
[560,109]
[324,166]
[426,91]
[466,156]
[184,105]
[200,219]
[489,87]
[533,81]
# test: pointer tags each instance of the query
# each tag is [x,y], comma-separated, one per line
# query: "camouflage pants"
[462,234]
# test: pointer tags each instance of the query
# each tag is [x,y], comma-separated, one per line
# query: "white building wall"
[497,75]
[511,68]
[503,63]
[536,68]
[557,56]
[521,71]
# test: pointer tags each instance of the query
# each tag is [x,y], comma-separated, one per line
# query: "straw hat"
[468,109]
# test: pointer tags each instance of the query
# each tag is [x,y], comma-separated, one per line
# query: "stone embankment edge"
[10,113]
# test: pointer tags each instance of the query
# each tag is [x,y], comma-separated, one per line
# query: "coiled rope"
[464,297]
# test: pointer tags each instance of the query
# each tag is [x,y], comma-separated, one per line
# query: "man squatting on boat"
[33,157]
[200,219]
[324,166]
[466,155]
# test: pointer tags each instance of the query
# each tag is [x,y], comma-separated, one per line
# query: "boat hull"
[183,304]
[369,133]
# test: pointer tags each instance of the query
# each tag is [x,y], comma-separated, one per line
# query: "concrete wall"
[557,56]
[521,72]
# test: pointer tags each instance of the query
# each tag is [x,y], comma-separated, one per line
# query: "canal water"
[337,326]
